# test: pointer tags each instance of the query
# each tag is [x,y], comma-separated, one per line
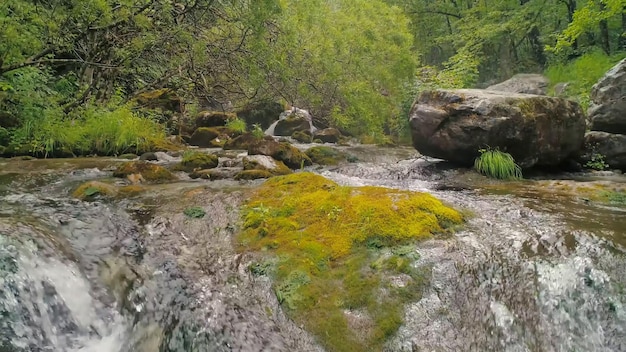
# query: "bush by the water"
[337,248]
[497,164]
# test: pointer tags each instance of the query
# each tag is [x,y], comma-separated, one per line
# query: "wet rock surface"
[534,269]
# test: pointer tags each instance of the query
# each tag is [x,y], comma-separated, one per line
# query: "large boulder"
[328,135]
[526,83]
[608,101]
[535,130]
[292,121]
[608,147]
[285,152]
[213,118]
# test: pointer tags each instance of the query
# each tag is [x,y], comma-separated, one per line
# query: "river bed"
[533,269]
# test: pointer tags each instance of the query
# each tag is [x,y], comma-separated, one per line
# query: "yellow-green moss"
[92,189]
[149,172]
[328,239]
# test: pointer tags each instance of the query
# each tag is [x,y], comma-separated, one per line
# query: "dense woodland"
[71,70]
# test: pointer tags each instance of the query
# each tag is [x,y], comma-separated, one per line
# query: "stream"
[532,270]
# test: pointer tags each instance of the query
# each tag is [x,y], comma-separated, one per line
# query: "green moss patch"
[149,172]
[197,161]
[94,189]
[326,155]
[343,255]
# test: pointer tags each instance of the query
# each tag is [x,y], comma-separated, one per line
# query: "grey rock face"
[527,83]
[610,146]
[608,97]
[536,130]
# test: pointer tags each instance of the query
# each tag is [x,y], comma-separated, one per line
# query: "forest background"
[74,74]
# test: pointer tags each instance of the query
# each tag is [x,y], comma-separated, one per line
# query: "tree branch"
[51,62]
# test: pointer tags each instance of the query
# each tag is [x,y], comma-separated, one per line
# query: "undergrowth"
[497,164]
[581,74]
[336,249]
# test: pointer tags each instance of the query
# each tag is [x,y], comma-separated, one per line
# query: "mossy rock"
[263,162]
[148,171]
[94,189]
[285,152]
[302,136]
[326,155]
[214,118]
[128,156]
[197,161]
[215,174]
[293,123]
[244,141]
[204,136]
[328,135]
[327,240]
[253,174]
[164,99]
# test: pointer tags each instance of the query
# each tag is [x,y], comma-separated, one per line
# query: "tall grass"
[497,164]
[94,130]
[581,74]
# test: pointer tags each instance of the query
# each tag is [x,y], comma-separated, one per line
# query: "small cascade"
[297,112]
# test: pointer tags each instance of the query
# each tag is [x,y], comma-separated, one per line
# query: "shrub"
[497,164]
[257,131]
[237,125]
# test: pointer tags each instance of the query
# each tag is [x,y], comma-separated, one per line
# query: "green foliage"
[346,61]
[195,212]
[237,125]
[257,131]
[497,164]
[581,74]
[597,162]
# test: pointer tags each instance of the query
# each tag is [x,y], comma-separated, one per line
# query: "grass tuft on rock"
[336,250]
[496,164]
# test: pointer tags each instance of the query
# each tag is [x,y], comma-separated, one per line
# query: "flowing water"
[532,270]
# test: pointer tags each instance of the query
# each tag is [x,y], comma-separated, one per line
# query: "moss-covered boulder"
[149,172]
[343,244]
[253,174]
[326,155]
[328,135]
[244,141]
[302,136]
[204,137]
[291,124]
[164,99]
[285,152]
[94,189]
[197,161]
[213,118]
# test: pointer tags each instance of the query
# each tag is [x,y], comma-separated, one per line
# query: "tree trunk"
[604,33]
